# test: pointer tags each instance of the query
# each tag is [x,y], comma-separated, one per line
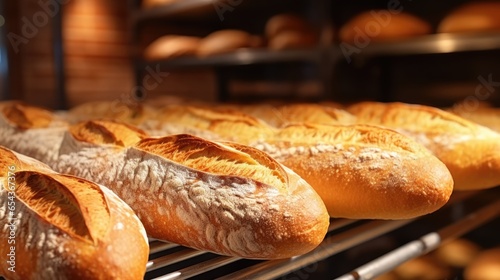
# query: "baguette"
[64,227]
[223,125]
[470,151]
[363,172]
[483,115]
[283,115]
[224,198]
[359,171]
[30,130]
[130,111]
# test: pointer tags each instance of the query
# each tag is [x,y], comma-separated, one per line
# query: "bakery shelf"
[465,212]
[429,44]
[240,57]
[173,9]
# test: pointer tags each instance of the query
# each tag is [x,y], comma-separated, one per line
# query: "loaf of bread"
[474,16]
[63,227]
[31,130]
[171,46]
[225,198]
[470,151]
[392,26]
[486,266]
[228,40]
[359,171]
[483,115]
[363,172]
[221,124]
[280,115]
[126,110]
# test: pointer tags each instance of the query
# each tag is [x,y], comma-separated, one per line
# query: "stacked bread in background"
[260,181]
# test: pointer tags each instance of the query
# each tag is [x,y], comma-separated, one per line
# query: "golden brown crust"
[217,159]
[126,110]
[347,166]
[486,116]
[229,125]
[107,132]
[69,228]
[470,151]
[398,26]
[282,115]
[24,116]
[362,171]
[207,195]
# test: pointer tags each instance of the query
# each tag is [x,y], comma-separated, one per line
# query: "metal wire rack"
[338,256]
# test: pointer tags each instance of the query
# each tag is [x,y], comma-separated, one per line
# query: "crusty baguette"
[64,227]
[470,151]
[228,199]
[231,126]
[126,110]
[30,130]
[363,171]
[483,115]
[359,171]
[281,115]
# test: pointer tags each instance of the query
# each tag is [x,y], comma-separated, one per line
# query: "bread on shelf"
[382,25]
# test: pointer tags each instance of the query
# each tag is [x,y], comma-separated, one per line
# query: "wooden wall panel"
[97,56]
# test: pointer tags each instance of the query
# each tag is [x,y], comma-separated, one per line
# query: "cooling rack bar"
[176,257]
[330,246]
[424,244]
[156,246]
[199,268]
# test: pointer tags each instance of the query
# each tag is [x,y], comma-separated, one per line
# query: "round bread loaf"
[171,46]
[370,24]
[486,266]
[475,16]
